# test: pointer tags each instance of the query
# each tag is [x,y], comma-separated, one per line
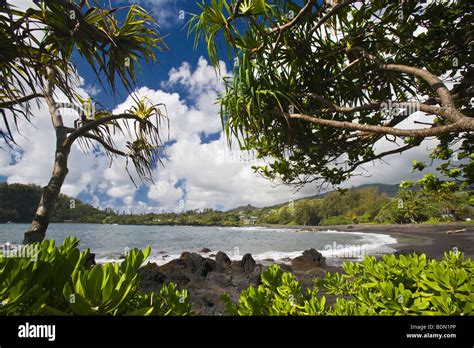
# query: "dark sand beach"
[433,240]
[193,271]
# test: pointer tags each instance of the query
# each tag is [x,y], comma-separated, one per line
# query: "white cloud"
[166,193]
[202,80]
[204,174]
[121,191]
[167,13]
[92,90]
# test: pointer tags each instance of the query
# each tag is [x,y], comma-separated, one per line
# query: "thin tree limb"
[93,124]
[434,131]
[443,92]
[10,103]
[373,106]
[328,15]
[108,147]
[282,28]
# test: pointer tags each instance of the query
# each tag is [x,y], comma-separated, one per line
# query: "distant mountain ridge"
[18,203]
[388,189]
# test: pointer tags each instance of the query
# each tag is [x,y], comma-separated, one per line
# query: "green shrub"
[279,294]
[336,220]
[434,221]
[404,285]
[56,281]
[28,285]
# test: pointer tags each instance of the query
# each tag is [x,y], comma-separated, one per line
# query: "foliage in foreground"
[56,280]
[375,204]
[317,84]
[405,285]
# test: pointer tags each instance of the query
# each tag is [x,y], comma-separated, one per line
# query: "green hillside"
[18,204]
[388,190]
[364,204]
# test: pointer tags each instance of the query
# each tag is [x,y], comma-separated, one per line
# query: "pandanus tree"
[318,85]
[36,50]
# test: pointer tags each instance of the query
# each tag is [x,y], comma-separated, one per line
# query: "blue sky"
[169,14]
[174,30]
[199,171]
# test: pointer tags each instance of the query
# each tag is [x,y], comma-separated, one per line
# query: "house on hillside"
[248,220]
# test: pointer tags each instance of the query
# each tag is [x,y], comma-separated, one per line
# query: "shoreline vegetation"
[375,204]
[212,284]
[430,239]
[401,284]
[316,90]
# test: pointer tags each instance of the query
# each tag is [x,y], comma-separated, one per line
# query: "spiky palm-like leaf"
[315,83]
[36,46]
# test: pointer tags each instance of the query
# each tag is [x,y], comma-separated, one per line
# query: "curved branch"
[104,144]
[328,15]
[456,92]
[374,106]
[288,25]
[434,131]
[409,146]
[96,123]
[443,92]
[10,103]
[435,83]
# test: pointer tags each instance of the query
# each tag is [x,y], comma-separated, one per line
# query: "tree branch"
[372,106]
[328,15]
[10,103]
[96,123]
[434,131]
[108,147]
[235,13]
[416,142]
[435,83]
[443,92]
[282,28]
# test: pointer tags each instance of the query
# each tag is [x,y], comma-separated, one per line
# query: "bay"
[109,242]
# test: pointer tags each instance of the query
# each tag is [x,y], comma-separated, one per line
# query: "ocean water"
[109,242]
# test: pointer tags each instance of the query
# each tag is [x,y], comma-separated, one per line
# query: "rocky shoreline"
[433,240]
[209,274]
[206,279]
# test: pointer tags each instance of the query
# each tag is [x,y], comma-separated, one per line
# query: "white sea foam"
[159,259]
[280,256]
[260,228]
[370,244]
[335,252]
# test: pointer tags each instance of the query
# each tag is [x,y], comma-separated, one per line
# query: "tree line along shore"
[379,204]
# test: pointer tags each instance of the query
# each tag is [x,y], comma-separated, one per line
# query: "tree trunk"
[39,225]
